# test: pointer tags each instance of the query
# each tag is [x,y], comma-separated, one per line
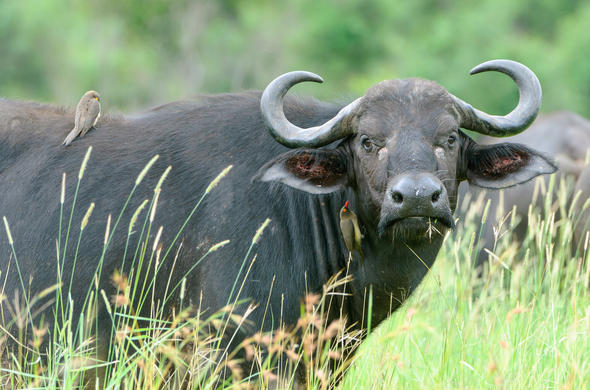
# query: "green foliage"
[523,324]
[142,53]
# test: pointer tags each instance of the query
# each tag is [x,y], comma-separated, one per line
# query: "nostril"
[397,197]
[436,196]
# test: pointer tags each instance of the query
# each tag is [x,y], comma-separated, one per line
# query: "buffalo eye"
[451,140]
[367,143]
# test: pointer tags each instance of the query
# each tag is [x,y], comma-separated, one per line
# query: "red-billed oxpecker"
[351,232]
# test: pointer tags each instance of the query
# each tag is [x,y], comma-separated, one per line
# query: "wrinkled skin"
[410,138]
[407,129]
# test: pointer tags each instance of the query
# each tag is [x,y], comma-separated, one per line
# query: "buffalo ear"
[311,170]
[504,165]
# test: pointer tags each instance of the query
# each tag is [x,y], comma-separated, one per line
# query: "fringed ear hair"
[495,163]
[317,171]
[504,165]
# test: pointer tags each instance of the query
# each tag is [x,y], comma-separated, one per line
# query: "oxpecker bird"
[87,114]
[350,230]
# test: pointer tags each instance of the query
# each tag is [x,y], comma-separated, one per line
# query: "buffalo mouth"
[416,225]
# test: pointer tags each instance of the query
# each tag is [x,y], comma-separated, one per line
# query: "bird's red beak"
[346,205]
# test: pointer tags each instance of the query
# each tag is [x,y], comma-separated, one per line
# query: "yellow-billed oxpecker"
[87,114]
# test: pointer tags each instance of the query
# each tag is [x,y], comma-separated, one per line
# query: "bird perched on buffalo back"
[350,230]
[87,114]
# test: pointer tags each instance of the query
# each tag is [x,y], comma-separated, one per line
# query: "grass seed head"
[157,239]
[107,231]
[10,241]
[218,245]
[120,300]
[62,197]
[513,312]
[162,178]
[119,280]
[216,181]
[250,351]
[87,216]
[84,163]
[136,215]
[333,329]
[334,355]
[310,301]
[294,356]
[235,369]
[121,334]
[155,206]
[260,230]
[269,376]
[38,336]
[145,169]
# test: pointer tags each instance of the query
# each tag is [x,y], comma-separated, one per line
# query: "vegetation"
[524,321]
[138,54]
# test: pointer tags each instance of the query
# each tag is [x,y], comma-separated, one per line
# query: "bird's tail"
[70,137]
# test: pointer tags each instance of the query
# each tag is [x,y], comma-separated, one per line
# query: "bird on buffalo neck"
[87,114]
[350,230]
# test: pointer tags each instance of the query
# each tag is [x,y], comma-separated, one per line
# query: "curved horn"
[271,105]
[520,118]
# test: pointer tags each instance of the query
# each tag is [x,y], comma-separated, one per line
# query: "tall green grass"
[522,322]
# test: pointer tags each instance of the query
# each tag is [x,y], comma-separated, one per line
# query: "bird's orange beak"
[346,205]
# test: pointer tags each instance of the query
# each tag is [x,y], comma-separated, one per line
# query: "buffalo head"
[402,151]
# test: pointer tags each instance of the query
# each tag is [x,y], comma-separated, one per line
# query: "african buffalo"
[397,154]
[562,135]
[582,208]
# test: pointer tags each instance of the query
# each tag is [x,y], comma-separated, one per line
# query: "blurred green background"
[141,53]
